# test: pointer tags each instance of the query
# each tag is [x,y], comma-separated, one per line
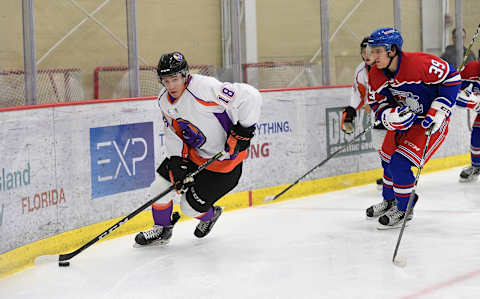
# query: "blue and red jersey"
[419,80]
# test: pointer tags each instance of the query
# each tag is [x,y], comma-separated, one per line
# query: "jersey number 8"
[228,95]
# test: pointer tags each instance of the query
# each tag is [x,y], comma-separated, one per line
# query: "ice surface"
[315,247]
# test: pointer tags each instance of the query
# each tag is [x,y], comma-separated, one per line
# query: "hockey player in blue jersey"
[469,98]
[412,93]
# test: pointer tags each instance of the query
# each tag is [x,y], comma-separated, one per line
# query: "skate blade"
[389,227]
[466,181]
[153,244]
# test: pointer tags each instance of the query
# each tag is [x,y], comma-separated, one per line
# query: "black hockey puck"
[63,263]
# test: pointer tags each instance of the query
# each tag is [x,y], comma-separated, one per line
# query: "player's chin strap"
[391,59]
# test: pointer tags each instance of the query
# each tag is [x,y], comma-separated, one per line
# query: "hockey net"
[113,81]
[53,86]
[282,74]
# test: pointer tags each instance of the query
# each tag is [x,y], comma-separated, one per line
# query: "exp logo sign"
[122,158]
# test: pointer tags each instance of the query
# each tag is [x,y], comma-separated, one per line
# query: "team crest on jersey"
[409,99]
[191,134]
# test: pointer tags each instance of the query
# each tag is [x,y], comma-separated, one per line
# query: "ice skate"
[157,235]
[393,218]
[469,174]
[204,227]
[380,208]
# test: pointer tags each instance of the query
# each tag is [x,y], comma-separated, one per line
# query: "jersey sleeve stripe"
[452,83]
[445,101]
[224,120]
[455,78]
[453,74]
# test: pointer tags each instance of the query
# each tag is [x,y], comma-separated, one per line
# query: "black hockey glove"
[378,125]
[178,169]
[239,139]
[348,115]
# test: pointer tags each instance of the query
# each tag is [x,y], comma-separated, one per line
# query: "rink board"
[66,171]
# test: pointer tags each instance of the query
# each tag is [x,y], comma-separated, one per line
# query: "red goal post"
[266,75]
[112,81]
[53,86]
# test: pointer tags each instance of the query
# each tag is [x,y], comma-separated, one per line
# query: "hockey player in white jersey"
[358,99]
[202,117]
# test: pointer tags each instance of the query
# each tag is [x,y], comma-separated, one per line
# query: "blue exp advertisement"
[122,158]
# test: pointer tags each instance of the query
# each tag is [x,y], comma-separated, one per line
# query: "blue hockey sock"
[387,189]
[475,146]
[403,179]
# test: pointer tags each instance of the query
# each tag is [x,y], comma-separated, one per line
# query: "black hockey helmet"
[171,64]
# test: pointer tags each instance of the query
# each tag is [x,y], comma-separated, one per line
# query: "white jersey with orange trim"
[359,89]
[197,123]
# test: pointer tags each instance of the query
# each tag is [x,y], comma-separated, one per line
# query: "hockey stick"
[469,48]
[64,258]
[397,261]
[271,198]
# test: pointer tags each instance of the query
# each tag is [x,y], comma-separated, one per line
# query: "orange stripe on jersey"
[363,92]
[205,103]
[223,166]
[178,132]
[185,151]
[176,127]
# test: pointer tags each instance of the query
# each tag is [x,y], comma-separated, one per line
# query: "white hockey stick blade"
[44,259]
[269,198]
[400,261]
